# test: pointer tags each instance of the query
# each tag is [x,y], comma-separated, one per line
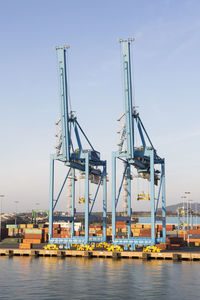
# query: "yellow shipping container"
[136,230]
[136,234]
[181,232]
[29,225]
[147,226]
[139,226]
[22,226]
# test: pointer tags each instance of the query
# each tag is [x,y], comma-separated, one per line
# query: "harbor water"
[81,278]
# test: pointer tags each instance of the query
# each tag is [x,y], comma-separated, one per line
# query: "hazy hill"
[173,208]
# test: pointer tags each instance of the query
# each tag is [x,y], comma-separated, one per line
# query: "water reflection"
[81,278]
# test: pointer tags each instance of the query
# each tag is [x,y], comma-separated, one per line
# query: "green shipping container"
[12,240]
[12,226]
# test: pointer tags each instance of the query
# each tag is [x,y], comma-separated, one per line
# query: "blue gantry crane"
[71,154]
[143,158]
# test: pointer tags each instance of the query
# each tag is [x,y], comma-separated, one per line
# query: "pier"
[172,255]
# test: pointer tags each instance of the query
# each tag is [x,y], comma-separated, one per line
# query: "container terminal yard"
[27,234]
[122,232]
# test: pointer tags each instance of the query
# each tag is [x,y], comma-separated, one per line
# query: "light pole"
[191,212]
[16,202]
[36,212]
[0,213]
[184,197]
[196,214]
[187,193]
[188,226]
[178,215]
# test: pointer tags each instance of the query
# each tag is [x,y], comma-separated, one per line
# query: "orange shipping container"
[32,236]
[25,246]
[194,231]
[195,240]
[99,231]
[56,225]
[57,235]
[170,227]
[46,237]
[31,241]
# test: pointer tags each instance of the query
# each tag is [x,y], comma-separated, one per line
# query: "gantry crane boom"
[128,97]
[65,133]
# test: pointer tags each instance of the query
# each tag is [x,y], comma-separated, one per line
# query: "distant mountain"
[173,208]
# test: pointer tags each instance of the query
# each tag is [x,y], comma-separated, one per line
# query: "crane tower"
[143,158]
[71,154]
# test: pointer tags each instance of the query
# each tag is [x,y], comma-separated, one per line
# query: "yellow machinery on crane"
[143,197]
[81,200]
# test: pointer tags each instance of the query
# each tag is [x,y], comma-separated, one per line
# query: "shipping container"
[25,246]
[32,241]
[33,231]
[12,226]
[33,236]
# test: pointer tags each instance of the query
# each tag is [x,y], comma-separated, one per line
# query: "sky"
[166,71]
